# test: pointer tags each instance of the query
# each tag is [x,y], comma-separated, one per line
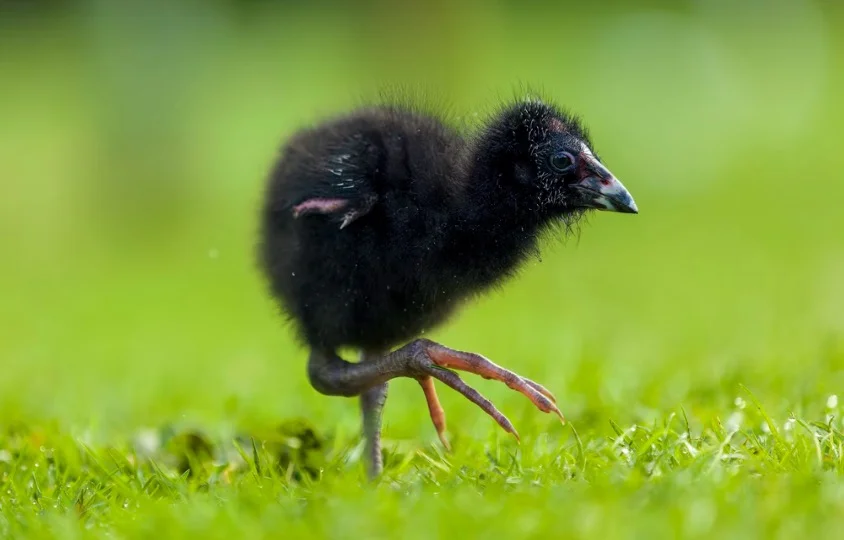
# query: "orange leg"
[477,364]
[436,410]
[424,361]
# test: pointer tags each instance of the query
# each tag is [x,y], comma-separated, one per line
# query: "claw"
[349,218]
[364,207]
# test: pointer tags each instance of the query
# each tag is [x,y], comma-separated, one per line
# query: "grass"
[697,349]
[751,476]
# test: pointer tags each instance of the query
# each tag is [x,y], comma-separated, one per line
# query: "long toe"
[454,381]
[435,409]
[477,364]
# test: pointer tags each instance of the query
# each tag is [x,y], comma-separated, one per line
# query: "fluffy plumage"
[442,216]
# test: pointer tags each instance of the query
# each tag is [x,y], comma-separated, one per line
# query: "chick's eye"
[562,162]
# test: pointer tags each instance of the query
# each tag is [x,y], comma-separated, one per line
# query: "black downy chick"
[378,223]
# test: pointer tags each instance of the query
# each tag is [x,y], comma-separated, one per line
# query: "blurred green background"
[135,139]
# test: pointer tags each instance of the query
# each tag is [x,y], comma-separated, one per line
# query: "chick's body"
[378,223]
[393,272]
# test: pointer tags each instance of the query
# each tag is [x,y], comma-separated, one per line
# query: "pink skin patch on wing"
[319,206]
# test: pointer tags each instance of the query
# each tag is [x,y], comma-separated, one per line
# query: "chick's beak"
[599,188]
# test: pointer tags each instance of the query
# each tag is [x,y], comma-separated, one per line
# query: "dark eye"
[562,162]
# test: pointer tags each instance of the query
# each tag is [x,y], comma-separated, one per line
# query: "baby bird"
[378,223]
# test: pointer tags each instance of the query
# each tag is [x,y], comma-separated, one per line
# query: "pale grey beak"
[600,189]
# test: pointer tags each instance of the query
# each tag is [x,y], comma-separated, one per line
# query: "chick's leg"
[371,405]
[424,361]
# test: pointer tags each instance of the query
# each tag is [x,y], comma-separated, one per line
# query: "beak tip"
[623,205]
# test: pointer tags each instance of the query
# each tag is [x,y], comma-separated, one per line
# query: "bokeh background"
[135,138]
